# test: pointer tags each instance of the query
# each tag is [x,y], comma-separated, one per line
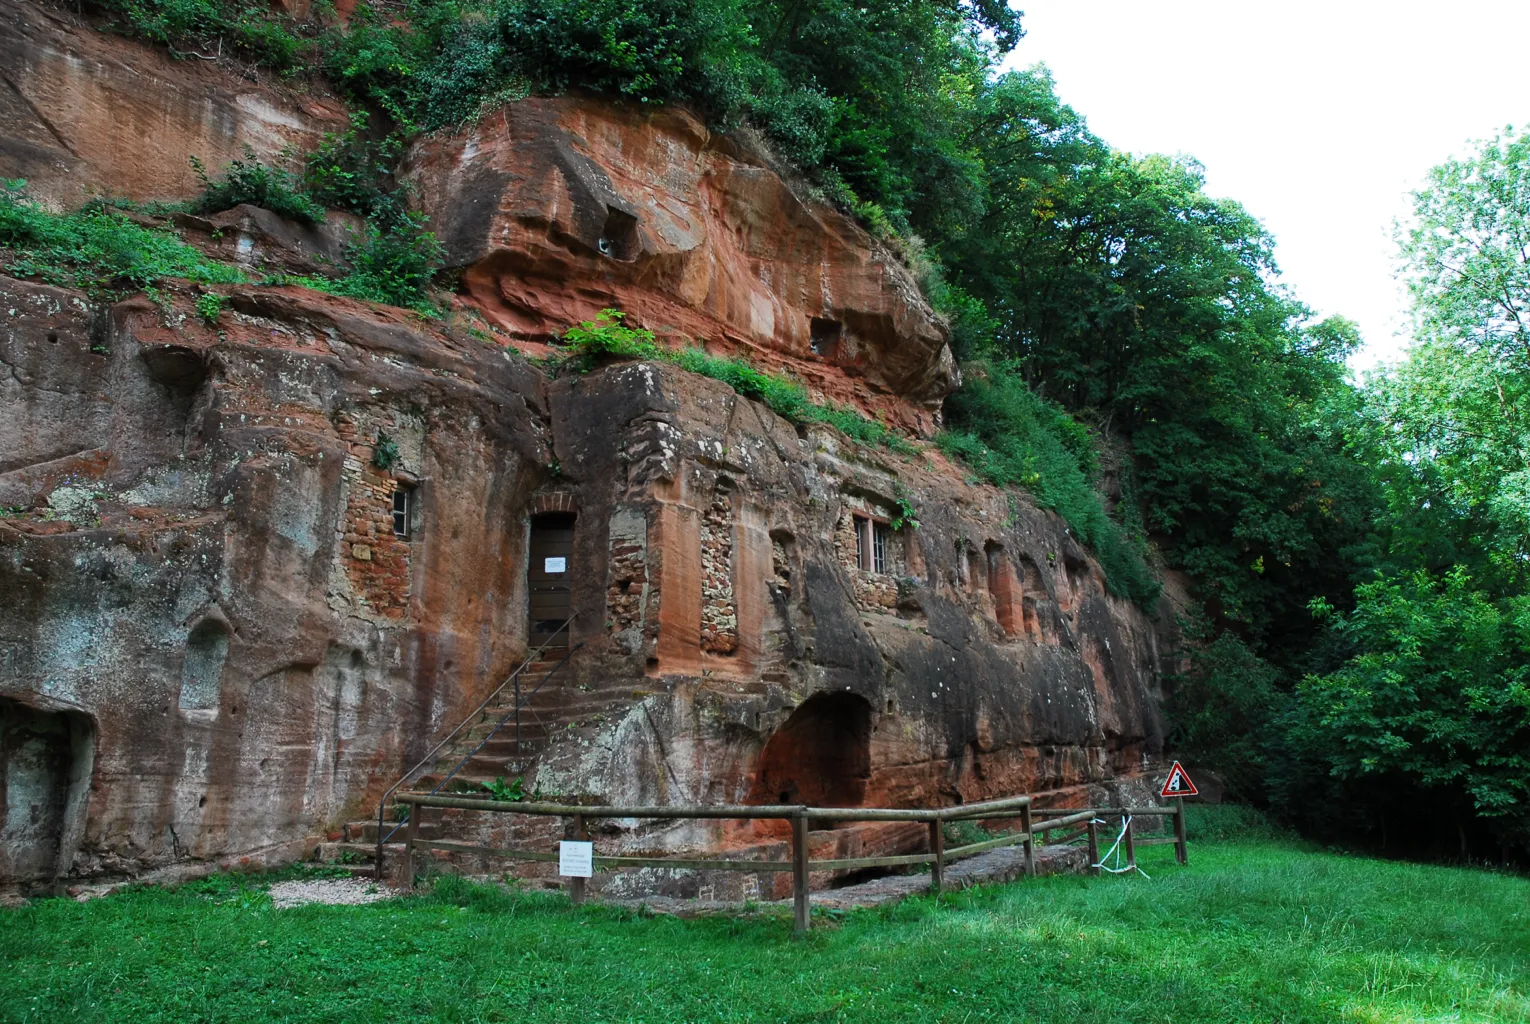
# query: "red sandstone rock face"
[558,208]
[211,631]
[218,599]
[85,113]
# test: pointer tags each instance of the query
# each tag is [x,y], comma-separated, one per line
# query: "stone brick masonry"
[719,618]
[377,562]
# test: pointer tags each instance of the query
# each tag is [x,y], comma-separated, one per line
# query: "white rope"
[1126,823]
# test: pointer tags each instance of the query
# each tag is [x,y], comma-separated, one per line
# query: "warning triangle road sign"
[1178,783]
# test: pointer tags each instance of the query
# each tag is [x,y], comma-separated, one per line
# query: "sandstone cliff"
[227,623]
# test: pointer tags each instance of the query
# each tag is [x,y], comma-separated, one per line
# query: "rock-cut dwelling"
[250,574]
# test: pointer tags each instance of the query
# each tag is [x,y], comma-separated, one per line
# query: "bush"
[1228,822]
[1226,713]
[251,182]
[96,250]
[650,50]
[606,337]
[1011,436]
[394,266]
[351,172]
[247,26]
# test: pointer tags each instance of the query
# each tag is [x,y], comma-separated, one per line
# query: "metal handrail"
[429,758]
[515,712]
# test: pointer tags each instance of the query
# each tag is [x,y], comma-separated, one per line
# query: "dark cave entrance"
[821,756]
[45,765]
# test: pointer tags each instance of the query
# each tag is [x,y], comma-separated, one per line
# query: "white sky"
[1320,117]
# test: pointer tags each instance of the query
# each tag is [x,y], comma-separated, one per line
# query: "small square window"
[403,511]
[823,337]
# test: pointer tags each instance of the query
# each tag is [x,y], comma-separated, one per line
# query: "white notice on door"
[552,565]
[576,859]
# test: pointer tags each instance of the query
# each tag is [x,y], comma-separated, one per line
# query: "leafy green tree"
[1127,294]
[1437,702]
[1431,708]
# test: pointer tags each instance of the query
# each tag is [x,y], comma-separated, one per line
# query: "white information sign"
[576,859]
[552,565]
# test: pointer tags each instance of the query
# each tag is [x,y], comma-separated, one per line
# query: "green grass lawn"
[1256,929]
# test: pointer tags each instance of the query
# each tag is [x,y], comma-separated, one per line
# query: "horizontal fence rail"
[800,816]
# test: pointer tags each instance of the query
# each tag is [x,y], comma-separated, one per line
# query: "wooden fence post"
[1131,848]
[800,872]
[938,865]
[411,833]
[576,885]
[1181,848]
[1094,848]
[1030,840]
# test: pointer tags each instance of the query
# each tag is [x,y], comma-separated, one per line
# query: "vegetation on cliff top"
[100,250]
[607,338]
[95,249]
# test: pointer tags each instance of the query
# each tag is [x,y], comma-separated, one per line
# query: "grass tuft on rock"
[608,338]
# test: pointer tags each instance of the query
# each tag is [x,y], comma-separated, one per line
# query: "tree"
[1432,707]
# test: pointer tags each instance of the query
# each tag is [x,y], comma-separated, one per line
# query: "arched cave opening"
[821,756]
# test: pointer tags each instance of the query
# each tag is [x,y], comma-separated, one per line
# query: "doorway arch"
[820,756]
[46,758]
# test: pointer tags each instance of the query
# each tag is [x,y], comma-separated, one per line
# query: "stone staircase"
[552,707]
[488,749]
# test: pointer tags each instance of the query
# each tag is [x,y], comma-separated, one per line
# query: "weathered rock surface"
[188,584]
[558,208]
[86,113]
[208,592]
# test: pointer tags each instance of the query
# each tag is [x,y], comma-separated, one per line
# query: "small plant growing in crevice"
[385,453]
[904,513]
[210,308]
[509,792]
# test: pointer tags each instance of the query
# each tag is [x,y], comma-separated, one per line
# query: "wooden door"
[548,575]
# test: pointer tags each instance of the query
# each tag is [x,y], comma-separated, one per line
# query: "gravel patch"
[342,891]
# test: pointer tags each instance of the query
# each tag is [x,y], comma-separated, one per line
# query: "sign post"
[576,860]
[1176,787]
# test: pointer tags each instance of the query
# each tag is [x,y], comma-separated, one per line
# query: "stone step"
[354,852]
[469,778]
[530,727]
[366,831]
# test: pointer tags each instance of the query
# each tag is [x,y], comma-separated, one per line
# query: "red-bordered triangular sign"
[1178,783]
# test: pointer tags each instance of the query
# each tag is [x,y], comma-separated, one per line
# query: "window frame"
[873,542]
[409,494]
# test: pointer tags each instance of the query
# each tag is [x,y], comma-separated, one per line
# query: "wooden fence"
[800,818]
